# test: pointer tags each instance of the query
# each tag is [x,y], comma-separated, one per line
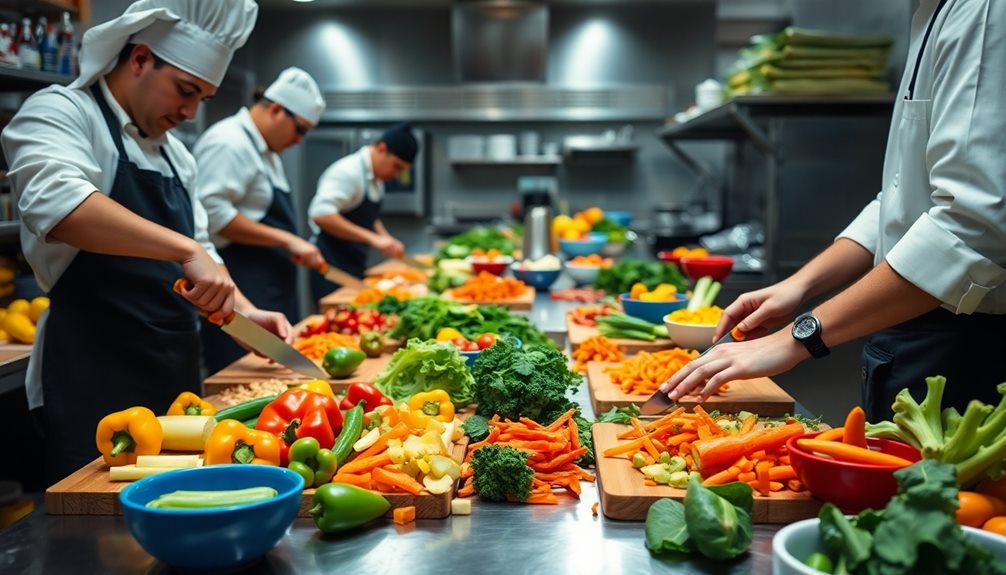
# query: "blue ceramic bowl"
[538,279]
[603,236]
[651,311]
[219,538]
[620,218]
[583,247]
[471,356]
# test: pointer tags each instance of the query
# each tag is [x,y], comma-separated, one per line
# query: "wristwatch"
[807,330]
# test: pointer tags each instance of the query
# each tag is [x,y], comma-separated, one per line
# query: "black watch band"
[807,330]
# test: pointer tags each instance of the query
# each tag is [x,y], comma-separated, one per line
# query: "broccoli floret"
[923,420]
[476,427]
[951,420]
[501,473]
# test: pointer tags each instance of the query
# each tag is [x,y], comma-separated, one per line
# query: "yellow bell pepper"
[435,404]
[123,435]
[319,386]
[233,442]
[189,403]
[637,290]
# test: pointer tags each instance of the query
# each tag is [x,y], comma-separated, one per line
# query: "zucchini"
[246,410]
[251,423]
[351,430]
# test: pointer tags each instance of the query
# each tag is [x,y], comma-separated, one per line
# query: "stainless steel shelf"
[10,230]
[18,80]
[545,161]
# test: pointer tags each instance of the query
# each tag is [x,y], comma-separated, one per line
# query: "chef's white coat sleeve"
[49,151]
[956,250]
[865,228]
[223,179]
[335,193]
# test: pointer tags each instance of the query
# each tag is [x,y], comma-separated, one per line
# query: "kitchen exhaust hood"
[500,40]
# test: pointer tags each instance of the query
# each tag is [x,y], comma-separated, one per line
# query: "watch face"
[804,328]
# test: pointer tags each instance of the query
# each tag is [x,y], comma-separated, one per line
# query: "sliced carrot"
[726,476]
[397,479]
[781,473]
[762,478]
[364,464]
[397,432]
[721,452]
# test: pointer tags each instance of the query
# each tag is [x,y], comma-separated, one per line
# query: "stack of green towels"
[801,61]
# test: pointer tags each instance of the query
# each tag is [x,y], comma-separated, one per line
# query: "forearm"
[879,300]
[842,263]
[337,226]
[380,229]
[243,230]
[102,225]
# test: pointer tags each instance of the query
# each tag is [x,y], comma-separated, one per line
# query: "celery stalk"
[711,293]
[699,293]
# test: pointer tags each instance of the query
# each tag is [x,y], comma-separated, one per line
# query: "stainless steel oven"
[325,145]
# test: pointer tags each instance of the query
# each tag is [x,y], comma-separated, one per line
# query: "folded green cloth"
[805,37]
[775,73]
[837,86]
[875,64]
[800,52]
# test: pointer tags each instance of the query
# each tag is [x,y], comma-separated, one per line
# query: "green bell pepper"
[342,361]
[338,506]
[310,461]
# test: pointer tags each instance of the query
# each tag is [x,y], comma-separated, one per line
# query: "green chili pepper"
[337,507]
[352,427]
[310,461]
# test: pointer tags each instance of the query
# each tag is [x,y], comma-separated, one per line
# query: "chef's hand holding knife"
[304,253]
[753,314]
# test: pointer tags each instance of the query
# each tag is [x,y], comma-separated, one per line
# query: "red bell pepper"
[301,413]
[366,392]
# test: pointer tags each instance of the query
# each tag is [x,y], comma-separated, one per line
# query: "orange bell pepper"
[189,403]
[233,442]
[123,435]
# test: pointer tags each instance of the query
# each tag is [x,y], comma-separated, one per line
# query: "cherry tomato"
[460,343]
[472,346]
[486,340]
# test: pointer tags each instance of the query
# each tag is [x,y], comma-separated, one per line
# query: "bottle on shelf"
[48,45]
[8,50]
[66,53]
[27,47]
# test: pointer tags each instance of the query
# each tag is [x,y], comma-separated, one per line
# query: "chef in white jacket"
[110,220]
[247,198]
[926,259]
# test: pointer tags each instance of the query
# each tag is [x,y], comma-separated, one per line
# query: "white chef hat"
[198,36]
[297,91]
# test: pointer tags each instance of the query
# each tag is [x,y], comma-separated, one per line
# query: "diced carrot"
[795,485]
[762,477]
[593,509]
[726,476]
[782,473]
[403,515]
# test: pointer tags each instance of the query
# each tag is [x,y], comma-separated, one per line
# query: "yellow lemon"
[571,234]
[593,215]
[37,307]
[447,334]
[561,223]
[19,305]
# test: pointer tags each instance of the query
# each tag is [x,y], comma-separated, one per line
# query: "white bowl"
[690,335]
[612,249]
[582,275]
[795,542]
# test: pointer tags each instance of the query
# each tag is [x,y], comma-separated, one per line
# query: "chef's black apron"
[116,335]
[348,256]
[966,349]
[265,274]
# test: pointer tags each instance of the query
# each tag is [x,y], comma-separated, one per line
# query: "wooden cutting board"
[581,333]
[761,395]
[254,368]
[523,302]
[397,265]
[89,492]
[341,296]
[623,495]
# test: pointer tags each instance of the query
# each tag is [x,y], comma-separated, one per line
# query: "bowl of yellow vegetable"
[693,328]
[215,517]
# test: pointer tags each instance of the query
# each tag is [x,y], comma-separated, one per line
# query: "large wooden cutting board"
[397,265]
[523,302]
[623,495]
[761,395]
[341,296]
[89,492]
[581,333]
[254,368]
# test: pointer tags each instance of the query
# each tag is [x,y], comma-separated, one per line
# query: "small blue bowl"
[218,538]
[620,218]
[583,247]
[471,356]
[603,236]
[651,311]
[538,279]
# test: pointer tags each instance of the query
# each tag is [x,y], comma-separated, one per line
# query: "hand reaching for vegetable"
[758,311]
[765,356]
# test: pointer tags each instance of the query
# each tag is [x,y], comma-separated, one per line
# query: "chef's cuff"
[42,216]
[219,216]
[941,264]
[864,229]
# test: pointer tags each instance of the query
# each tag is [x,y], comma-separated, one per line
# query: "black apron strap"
[110,120]
[922,50]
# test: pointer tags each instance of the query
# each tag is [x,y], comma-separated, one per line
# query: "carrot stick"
[795,485]
[855,428]
[561,460]
[364,464]
[851,453]
[397,479]
[749,423]
[762,478]
[746,477]
[726,476]
[396,432]
[633,445]
[358,479]
[721,452]
[833,434]
[543,499]
[558,423]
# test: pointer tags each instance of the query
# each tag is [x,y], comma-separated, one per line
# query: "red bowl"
[668,257]
[716,267]
[495,267]
[852,487]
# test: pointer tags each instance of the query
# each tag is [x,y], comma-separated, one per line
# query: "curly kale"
[532,382]
[476,427]
[501,473]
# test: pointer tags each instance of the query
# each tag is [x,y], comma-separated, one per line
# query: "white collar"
[125,122]
[368,167]
[246,121]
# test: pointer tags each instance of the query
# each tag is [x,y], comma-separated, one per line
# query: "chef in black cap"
[344,213]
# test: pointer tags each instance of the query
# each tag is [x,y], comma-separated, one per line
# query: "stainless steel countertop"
[495,538]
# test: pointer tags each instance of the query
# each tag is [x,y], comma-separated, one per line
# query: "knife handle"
[182,285]
[323,268]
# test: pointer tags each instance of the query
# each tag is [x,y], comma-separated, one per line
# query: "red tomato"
[366,320]
[352,323]
[460,343]
[472,346]
[486,340]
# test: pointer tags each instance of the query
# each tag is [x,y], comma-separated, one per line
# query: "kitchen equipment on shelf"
[530,142]
[501,147]
[466,147]
[536,199]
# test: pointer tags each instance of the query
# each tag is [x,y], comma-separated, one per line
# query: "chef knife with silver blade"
[335,275]
[262,341]
[659,402]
